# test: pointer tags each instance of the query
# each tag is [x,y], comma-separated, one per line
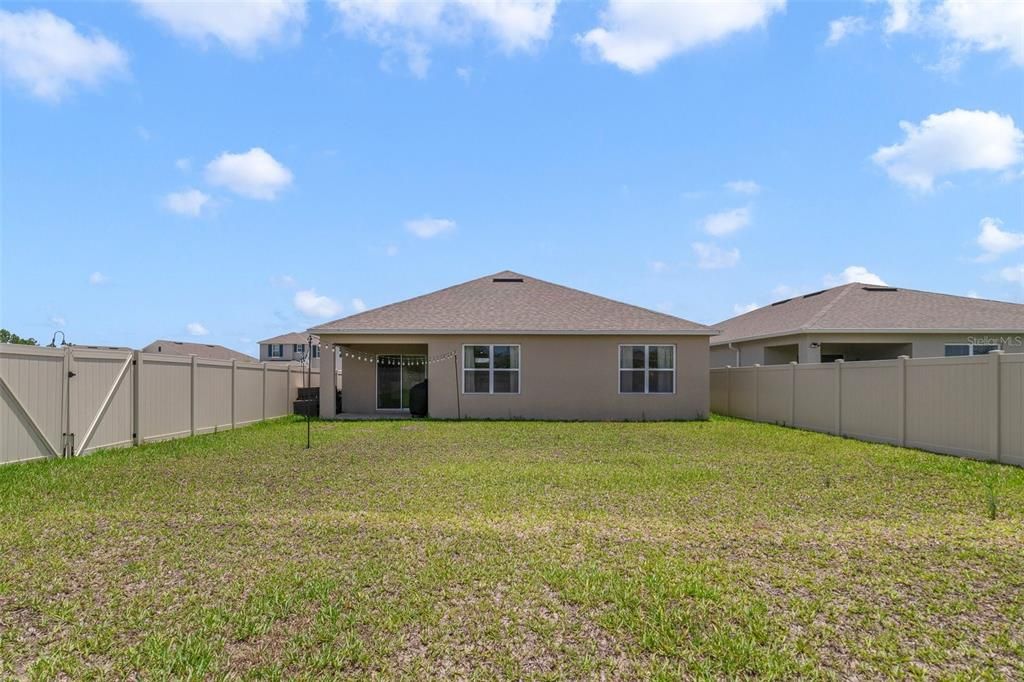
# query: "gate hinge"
[71,375]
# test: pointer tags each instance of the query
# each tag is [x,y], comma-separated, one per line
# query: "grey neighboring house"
[208,351]
[508,346]
[867,322]
[291,347]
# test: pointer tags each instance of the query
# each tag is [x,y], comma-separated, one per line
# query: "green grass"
[484,550]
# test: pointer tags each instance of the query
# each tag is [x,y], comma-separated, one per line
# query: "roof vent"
[815,293]
[879,288]
[785,300]
[508,279]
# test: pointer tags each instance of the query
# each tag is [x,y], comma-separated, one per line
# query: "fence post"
[995,360]
[792,392]
[839,397]
[901,400]
[264,390]
[757,392]
[192,397]
[137,423]
[65,407]
[234,400]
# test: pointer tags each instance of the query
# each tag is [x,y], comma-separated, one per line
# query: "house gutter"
[737,351]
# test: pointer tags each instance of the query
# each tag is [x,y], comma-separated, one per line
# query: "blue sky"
[225,174]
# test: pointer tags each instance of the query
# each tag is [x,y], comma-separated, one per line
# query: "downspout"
[737,351]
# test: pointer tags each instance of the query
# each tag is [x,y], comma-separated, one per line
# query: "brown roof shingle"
[290,337]
[507,302]
[204,350]
[865,307]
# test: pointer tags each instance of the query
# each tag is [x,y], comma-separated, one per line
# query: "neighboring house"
[867,322]
[204,350]
[507,346]
[292,347]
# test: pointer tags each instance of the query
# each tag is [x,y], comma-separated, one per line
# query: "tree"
[10,337]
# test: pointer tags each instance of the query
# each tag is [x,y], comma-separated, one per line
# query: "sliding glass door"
[396,374]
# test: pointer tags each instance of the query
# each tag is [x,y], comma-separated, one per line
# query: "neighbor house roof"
[869,308]
[290,337]
[203,350]
[507,302]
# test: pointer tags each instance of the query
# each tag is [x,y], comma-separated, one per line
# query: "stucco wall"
[922,345]
[561,377]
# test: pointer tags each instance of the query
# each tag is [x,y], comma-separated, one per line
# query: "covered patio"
[378,379]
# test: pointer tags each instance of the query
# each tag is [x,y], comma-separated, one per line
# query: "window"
[647,369]
[275,350]
[961,349]
[316,351]
[490,369]
[298,348]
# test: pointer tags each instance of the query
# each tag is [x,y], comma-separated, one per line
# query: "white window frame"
[646,368]
[272,346]
[315,350]
[491,369]
[970,347]
[298,348]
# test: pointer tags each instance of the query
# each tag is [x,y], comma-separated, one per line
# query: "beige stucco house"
[209,351]
[867,322]
[508,346]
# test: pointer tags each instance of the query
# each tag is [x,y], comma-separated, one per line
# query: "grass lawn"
[512,550]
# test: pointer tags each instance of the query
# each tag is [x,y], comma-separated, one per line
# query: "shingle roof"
[290,337]
[203,350]
[507,302]
[865,307]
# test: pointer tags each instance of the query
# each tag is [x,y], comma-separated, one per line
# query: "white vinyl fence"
[967,406]
[69,401]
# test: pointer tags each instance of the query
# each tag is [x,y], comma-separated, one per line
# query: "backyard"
[515,550]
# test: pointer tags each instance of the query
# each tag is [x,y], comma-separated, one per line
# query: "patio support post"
[328,381]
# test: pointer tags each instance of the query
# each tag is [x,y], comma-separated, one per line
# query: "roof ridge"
[846,288]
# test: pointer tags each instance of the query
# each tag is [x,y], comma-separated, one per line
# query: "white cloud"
[637,36]
[189,202]
[1013,274]
[952,142]
[412,27]
[743,186]
[985,25]
[47,55]
[283,281]
[358,305]
[184,165]
[741,308]
[854,273]
[658,266]
[426,228]
[973,294]
[903,15]
[783,291]
[839,29]
[58,321]
[309,303]
[391,250]
[726,222]
[241,26]
[464,73]
[98,278]
[196,329]
[996,241]
[255,174]
[713,257]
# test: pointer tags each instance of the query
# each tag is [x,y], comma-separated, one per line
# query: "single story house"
[208,351]
[291,347]
[508,346]
[867,322]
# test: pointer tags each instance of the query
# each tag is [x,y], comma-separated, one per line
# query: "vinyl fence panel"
[870,401]
[967,406]
[69,401]
[32,383]
[1011,403]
